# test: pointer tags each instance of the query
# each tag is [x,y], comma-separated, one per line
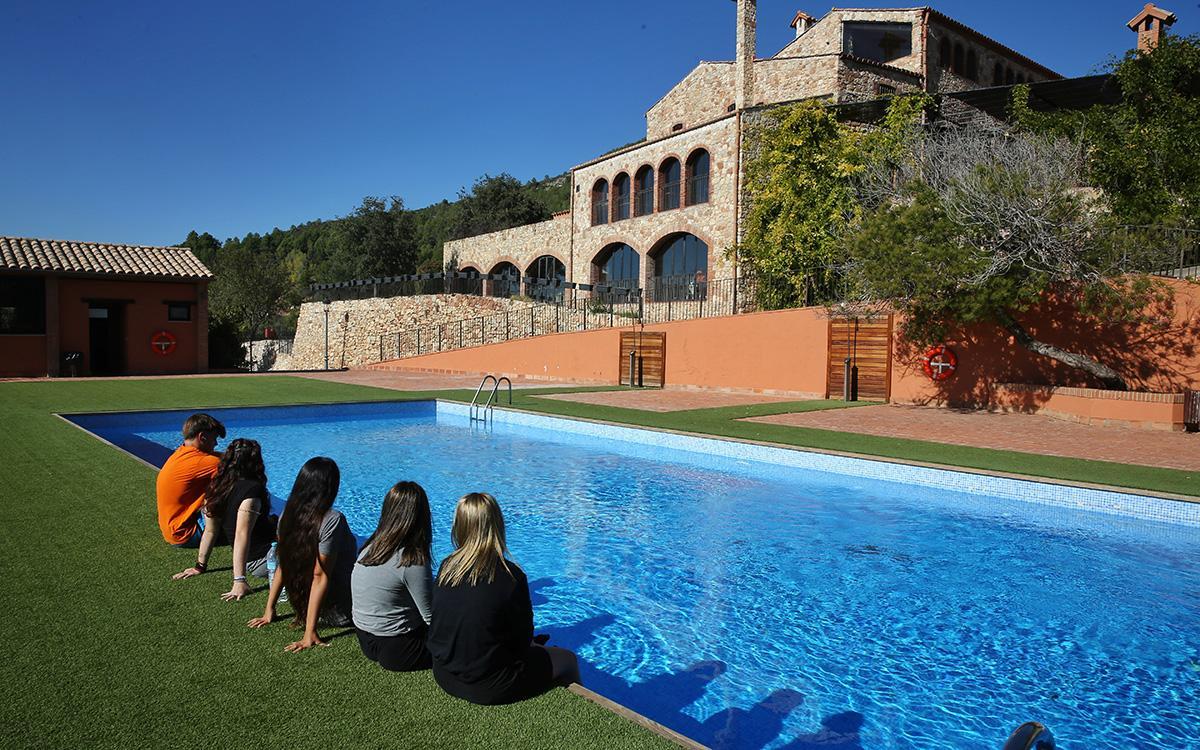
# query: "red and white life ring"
[162,343]
[939,362]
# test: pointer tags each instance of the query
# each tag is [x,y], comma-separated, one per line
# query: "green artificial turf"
[102,649]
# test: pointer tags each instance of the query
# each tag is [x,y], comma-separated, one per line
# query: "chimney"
[802,23]
[1149,26]
[747,20]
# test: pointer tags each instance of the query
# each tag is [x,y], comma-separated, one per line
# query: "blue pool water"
[750,605]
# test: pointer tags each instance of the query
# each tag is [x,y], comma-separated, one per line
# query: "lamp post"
[327,302]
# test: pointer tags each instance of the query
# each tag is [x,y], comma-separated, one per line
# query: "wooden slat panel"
[869,343]
[652,357]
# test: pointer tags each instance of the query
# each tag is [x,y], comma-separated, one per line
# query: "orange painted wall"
[145,315]
[784,350]
[21,356]
[1162,359]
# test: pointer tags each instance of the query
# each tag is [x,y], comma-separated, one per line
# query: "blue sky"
[138,121]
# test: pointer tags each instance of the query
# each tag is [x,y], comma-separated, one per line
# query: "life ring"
[939,362]
[162,343]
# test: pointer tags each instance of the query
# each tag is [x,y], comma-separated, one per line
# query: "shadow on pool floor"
[664,698]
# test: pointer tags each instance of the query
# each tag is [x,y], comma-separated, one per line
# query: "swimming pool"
[754,597]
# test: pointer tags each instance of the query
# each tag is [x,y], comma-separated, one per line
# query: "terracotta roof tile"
[28,254]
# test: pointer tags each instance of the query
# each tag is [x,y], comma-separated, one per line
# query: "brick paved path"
[667,400]
[1027,433]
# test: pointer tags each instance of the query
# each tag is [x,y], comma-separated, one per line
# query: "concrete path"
[669,400]
[1026,433]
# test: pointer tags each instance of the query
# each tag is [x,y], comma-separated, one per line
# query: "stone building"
[661,214]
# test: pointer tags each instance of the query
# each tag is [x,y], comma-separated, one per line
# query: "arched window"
[668,184]
[621,197]
[998,75]
[697,177]
[600,202]
[466,281]
[618,265]
[680,268]
[1009,77]
[972,69]
[546,269]
[960,60]
[944,53]
[504,280]
[643,187]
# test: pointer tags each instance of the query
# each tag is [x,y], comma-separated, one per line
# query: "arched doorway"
[507,286]
[680,268]
[466,281]
[550,269]
[619,265]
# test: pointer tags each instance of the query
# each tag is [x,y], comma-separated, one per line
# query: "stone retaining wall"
[356,326]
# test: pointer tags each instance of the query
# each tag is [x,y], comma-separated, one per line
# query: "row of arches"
[625,198]
[964,61]
[678,263]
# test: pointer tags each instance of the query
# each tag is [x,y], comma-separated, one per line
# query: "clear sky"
[138,121]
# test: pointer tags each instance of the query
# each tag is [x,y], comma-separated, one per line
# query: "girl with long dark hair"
[316,555]
[237,508]
[481,633]
[392,582]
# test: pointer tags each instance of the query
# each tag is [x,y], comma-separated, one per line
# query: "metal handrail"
[488,408]
[474,411]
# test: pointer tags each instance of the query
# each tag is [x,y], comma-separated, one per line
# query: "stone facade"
[712,222]
[711,108]
[520,246]
[357,327]
[704,95]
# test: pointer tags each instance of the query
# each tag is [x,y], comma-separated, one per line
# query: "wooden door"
[868,343]
[650,359]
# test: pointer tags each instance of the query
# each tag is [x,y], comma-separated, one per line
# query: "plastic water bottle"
[272,566]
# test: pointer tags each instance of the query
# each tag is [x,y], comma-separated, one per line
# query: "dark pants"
[398,653]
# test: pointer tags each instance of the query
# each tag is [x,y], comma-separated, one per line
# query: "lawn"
[105,650]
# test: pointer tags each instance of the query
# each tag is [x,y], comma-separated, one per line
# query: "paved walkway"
[415,381]
[1026,433]
[668,400]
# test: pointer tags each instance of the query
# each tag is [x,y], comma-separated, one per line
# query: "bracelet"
[239,579]
[200,566]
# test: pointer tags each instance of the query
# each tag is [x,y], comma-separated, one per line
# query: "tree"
[987,225]
[248,288]
[496,203]
[1144,151]
[383,237]
[205,246]
[803,181]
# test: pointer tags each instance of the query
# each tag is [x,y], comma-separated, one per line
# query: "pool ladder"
[484,412]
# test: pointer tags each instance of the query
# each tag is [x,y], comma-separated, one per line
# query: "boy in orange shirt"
[183,479]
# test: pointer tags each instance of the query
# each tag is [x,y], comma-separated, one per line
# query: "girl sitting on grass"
[393,582]
[481,633]
[236,506]
[316,556]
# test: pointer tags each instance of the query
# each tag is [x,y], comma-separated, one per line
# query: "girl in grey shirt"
[392,582]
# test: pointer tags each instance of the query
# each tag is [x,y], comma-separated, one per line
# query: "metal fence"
[574,309]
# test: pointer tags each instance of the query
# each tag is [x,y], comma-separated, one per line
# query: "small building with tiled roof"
[90,308]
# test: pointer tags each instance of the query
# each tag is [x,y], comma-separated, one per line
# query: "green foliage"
[383,238]
[911,252]
[496,203]
[225,350]
[1144,151]
[803,182]
[249,288]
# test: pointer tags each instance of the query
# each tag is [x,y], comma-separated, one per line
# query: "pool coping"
[1192,499]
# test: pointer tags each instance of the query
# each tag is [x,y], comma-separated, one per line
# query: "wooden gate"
[868,343]
[650,362]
